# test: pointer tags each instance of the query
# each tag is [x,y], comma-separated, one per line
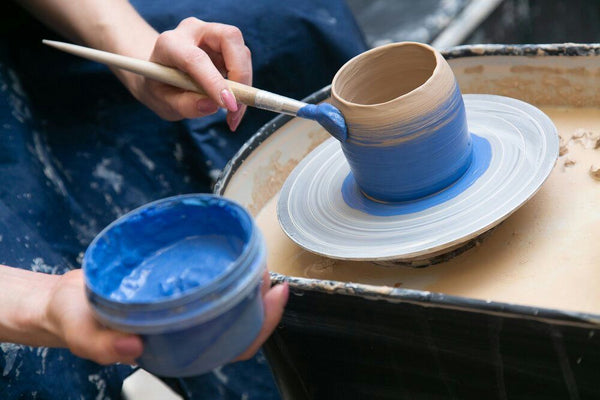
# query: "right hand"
[207,52]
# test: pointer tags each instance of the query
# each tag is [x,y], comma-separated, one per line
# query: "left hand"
[69,322]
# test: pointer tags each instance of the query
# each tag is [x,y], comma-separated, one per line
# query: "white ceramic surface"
[524,145]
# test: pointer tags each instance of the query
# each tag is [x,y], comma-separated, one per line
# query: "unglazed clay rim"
[302,285]
[381,49]
[340,232]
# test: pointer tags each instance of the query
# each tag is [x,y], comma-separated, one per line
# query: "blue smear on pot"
[412,159]
[480,161]
[163,252]
[328,116]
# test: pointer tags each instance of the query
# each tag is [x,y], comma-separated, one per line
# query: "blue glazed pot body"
[408,135]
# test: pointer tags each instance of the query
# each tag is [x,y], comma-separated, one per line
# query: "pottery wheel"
[313,213]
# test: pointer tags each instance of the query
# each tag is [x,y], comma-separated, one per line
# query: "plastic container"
[184,273]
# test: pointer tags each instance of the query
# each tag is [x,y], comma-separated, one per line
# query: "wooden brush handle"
[243,93]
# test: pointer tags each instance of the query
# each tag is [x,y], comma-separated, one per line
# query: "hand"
[72,322]
[274,300]
[52,310]
[69,319]
[207,52]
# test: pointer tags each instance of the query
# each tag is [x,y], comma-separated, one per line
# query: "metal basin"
[358,339]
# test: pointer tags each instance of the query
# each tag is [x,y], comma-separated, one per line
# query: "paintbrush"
[325,114]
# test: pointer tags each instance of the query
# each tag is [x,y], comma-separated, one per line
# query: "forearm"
[110,25]
[24,296]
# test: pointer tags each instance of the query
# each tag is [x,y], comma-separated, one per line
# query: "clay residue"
[563,148]
[583,138]
[586,138]
[474,70]
[568,162]
[556,90]
[269,178]
[556,81]
[544,255]
[595,172]
[530,69]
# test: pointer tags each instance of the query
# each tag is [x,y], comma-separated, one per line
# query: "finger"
[228,40]
[274,303]
[266,284]
[206,107]
[224,45]
[106,346]
[218,61]
[179,49]
[128,347]
[184,104]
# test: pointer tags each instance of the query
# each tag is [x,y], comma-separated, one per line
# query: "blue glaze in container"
[184,273]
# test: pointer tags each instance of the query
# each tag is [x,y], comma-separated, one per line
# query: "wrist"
[24,297]
[123,31]
[137,40]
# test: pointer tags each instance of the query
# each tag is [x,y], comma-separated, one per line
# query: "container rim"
[390,47]
[419,297]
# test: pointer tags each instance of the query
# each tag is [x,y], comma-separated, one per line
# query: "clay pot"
[407,129]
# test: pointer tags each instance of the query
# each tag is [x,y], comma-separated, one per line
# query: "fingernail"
[235,119]
[206,106]
[128,346]
[228,100]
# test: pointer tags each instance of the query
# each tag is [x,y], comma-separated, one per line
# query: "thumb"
[274,302]
[106,347]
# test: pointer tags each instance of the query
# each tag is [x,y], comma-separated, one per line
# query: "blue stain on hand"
[328,117]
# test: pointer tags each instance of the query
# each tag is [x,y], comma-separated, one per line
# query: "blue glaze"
[198,260]
[185,273]
[414,158]
[159,242]
[482,155]
[328,116]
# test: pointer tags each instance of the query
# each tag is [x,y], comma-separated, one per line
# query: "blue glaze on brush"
[184,273]
[328,116]
[482,155]
[412,159]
